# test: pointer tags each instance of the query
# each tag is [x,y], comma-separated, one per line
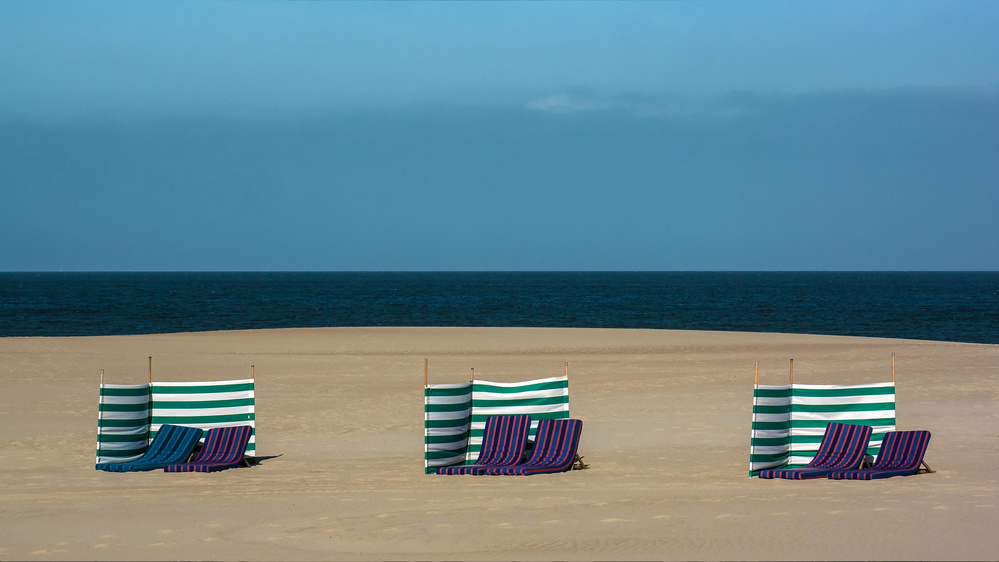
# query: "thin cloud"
[667,106]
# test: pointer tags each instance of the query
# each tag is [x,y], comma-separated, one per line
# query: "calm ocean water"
[961,307]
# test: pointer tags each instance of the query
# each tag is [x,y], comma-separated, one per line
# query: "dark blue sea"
[960,307]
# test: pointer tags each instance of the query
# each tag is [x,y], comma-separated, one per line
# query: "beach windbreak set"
[489,428]
[159,425]
[806,431]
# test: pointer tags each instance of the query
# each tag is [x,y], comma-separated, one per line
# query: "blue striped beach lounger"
[224,448]
[502,445]
[172,444]
[901,454]
[843,447]
[554,449]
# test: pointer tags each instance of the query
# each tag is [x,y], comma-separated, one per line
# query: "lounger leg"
[928,469]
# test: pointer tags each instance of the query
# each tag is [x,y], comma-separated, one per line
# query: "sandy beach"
[340,435]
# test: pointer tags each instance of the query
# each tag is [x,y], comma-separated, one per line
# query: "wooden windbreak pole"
[893,368]
[792,372]
[566,369]
[252,377]
[426,373]
[756,376]
[472,376]
[100,415]
[150,369]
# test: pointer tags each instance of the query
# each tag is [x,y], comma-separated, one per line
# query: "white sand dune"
[340,427]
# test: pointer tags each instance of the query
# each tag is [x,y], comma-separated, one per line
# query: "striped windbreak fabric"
[205,405]
[122,422]
[455,414]
[446,412]
[771,432]
[789,421]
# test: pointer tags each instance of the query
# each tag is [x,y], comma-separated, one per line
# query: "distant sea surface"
[960,307]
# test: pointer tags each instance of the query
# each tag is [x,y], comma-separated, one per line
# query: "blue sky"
[499,136]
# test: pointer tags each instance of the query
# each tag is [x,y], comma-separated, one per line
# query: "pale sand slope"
[666,432]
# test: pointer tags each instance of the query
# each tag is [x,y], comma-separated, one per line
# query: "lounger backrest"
[543,440]
[843,446]
[504,439]
[170,438]
[902,450]
[164,441]
[224,444]
[560,442]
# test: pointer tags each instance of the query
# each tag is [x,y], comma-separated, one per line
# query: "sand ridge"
[340,429]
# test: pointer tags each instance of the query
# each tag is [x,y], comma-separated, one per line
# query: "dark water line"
[946,306]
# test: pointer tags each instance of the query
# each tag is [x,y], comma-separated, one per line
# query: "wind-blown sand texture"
[340,431]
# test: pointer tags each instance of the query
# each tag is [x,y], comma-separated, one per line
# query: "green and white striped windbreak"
[542,399]
[789,420]
[122,422]
[813,406]
[455,414]
[771,433]
[447,409]
[205,405]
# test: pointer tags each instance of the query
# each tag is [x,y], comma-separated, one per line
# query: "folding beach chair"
[172,444]
[224,448]
[901,454]
[502,445]
[843,447]
[554,449]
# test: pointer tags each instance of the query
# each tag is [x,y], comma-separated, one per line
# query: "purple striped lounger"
[900,455]
[502,445]
[223,448]
[554,449]
[843,447]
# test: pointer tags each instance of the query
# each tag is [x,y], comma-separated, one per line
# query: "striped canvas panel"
[205,405]
[771,430]
[541,399]
[814,406]
[123,422]
[446,410]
